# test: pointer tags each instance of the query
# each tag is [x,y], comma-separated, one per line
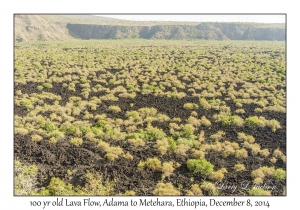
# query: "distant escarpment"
[67,27]
[207,31]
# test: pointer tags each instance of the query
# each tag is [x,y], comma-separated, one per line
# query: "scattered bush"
[255,121]
[255,149]
[21,131]
[58,187]
[162,146]
[274,125]
[262,172]
[277,153]
[76,141]
[136,142]
[128,156]
[198,154]
[201,137]
[217,175]
[240,111]
[210,188]
[204,103]
[154,134]
[264,152]
[273,160]
[258,192]
[165,190]
[205,122]
[258,181]
[194,191]
[279,174]
[190,106]
[241,153]
[36,138]
[244,137]
[218,136]
[167,169]
[114,109]
[103,145]
[181,149]
[152,163]
[228,150]
[200,165]
[239,167]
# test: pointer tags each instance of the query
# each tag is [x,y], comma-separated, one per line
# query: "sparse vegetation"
[200,165]
[165,190]
[169,111]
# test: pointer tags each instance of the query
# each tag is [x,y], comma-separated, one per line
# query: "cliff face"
[63,27]
[214,31]
[38,27]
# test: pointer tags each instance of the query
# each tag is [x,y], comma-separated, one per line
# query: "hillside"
[64,27]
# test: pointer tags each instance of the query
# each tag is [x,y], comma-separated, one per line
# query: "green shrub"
[188,132]
[258,192]
[27,103]
[200,165]
[235,120]
[101,123]
[95,186]
[280,174]
[48,125]
[58,187]
[255,121]
[190,142]
[204,103]
[172,144]
[47,85]
[154,134]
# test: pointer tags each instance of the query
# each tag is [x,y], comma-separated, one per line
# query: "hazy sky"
[204,18]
